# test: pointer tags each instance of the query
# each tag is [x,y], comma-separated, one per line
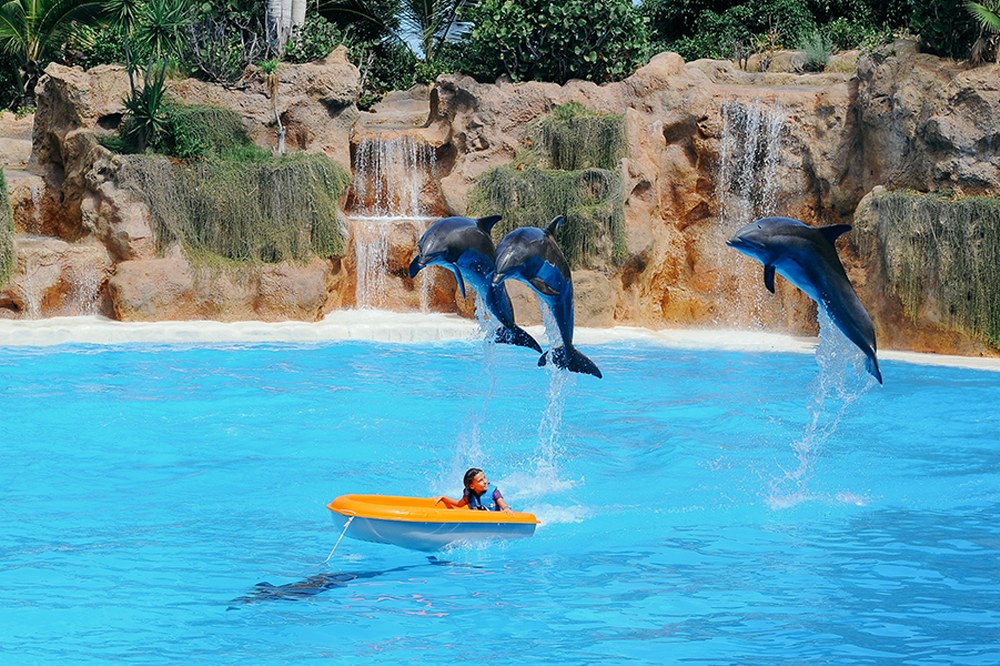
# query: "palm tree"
[429,22]
[282,17]
[30,29]
[988,15]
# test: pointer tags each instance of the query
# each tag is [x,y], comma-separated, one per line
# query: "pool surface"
[696,507]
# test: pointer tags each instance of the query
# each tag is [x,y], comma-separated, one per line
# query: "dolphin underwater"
[806,257]
[532,256]
[463,245]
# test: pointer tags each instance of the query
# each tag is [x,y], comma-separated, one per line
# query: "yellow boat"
[420,523]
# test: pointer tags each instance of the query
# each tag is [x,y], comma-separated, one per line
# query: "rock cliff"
[710,147]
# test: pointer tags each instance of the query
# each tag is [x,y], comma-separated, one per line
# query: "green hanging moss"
[941,253]
[8,257]
[591,200]
[198,131]
[258,211]
[574,137]
[583,150]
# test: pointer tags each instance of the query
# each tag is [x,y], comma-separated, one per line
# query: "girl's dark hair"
[470,474]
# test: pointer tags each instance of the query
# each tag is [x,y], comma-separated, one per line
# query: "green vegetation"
[573,138]
[818,49]
[396,43]
[944,250]
[557,175]
[8,258]
[987,14]
[247,209]
[596,40]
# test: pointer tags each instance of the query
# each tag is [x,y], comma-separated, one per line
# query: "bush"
[596,40]
[739,27]
[314,40]
[672,20]
[574,137]
[945,28]
[818,49]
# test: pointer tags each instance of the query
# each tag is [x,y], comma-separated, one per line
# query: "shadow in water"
[313,585]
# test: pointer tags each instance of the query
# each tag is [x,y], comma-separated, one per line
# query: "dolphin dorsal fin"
[487,223]
[833,232]
[554,225]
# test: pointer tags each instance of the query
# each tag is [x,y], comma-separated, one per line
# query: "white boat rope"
[346,525]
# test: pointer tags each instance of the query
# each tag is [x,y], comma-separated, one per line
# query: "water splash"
[841,381]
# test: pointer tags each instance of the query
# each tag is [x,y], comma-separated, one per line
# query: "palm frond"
[987,15]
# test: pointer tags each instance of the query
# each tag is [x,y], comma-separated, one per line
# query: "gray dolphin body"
[806,257]
[463,246]
[532,256]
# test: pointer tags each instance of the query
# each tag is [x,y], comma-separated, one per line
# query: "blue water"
[697,507]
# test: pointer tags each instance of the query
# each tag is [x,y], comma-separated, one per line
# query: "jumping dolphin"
[532,256]
[806,257]
[463,245]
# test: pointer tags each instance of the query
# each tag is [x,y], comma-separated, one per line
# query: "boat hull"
[420,524]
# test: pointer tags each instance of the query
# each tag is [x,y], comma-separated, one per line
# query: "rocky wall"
[709,147]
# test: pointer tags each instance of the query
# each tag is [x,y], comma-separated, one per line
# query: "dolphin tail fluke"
[871,365]
[516,336]
[570,358]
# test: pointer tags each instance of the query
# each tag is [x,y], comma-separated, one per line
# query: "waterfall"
[86,288]
[35,223]
[749,153]
[390,175]
[747,189]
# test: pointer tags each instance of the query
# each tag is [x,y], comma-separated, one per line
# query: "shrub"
[597,40]
[717,35]
[818,49]
[945,28]
[314,40]
[251,209]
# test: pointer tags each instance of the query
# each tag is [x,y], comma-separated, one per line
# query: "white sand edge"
[384,326]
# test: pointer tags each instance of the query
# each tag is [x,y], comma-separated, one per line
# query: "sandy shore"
[383,326]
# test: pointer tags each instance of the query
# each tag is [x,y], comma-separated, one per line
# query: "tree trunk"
[275,21]
[299,13]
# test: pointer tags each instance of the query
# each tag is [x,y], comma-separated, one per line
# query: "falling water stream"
[390,174]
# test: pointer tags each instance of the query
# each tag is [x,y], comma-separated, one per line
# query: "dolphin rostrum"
[532,256]
[806,257]
[463,245]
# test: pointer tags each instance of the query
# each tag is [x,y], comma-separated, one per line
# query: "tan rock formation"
[696,168]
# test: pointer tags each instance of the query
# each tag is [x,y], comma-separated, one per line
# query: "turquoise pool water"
[697,507]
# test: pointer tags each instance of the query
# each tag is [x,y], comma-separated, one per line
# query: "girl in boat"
[478,494]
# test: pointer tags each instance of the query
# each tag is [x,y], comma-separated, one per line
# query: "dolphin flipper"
[458,278]
[515,335]
[769,277]
[572,359]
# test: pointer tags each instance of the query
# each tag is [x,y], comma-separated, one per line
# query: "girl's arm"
[452,504]
[503,504]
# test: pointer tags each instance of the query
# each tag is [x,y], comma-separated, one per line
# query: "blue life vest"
[484,502]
